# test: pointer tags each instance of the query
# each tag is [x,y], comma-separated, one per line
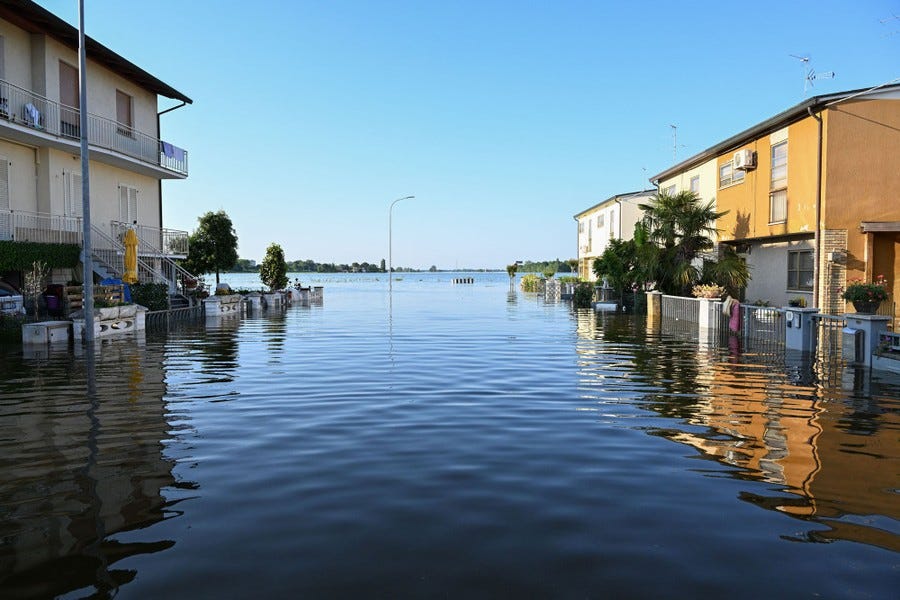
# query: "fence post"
[654,310]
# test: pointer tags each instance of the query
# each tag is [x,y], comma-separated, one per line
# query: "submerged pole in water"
[87,305]
[390,242]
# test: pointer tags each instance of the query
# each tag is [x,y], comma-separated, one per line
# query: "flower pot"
[866,308]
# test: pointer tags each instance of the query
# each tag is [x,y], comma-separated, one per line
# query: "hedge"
[18,256]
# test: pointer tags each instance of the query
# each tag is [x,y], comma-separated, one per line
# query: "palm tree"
[681,226]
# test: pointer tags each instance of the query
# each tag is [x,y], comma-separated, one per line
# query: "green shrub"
[19,256]
[584,295]
[153,296]
[530,283]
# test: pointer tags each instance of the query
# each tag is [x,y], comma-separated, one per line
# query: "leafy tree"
[213,246]
[730,272]
[617,265]
[573,264]
[273,270]
[383,266]
[511,270]
[681,227]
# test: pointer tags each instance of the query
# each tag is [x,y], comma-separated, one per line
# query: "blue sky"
[503,118]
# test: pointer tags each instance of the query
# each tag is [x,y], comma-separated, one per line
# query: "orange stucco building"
[813,196]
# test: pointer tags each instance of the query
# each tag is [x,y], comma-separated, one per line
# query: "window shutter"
[132,205]
[2,58]
[72,194]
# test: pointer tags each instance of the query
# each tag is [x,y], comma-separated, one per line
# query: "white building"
[614,218]
[40,169]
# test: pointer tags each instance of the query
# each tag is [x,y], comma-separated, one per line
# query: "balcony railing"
[154,241]
[21,106]
[24,226]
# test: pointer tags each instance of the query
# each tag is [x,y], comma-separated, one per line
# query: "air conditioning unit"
[745,160]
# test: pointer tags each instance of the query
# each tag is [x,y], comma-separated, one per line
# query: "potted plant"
[866,297]
[710,290]
[797,302]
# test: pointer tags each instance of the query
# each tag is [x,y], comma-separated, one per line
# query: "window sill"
[771,223]
[729,185]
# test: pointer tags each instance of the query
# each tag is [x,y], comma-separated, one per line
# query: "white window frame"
[778,206]
[695,180]
[669,190]
[128,203]
[734,177]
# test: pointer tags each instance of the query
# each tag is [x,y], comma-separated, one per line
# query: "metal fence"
[679,308]
[161,319]
[829,337]
[762,328]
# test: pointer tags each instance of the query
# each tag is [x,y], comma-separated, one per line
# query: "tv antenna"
[675,143]
[809,74]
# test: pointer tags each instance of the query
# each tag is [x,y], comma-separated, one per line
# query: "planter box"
[253,302]
[222,305]
[112,321]
[273,300]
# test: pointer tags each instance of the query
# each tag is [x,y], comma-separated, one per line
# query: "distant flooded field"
[459,441]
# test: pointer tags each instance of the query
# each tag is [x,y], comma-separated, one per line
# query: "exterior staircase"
[108,258]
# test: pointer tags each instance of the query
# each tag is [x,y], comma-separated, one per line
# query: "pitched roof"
[33,18]
[779,121]
[625,196]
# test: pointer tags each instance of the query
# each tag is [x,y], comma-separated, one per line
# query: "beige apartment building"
[40,169]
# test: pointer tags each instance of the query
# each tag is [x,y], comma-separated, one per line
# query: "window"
[69,99]
[695,184]
[669,191]
[779,166]
[128,204]
[124,113]
[728,175]
[778,207]
[600,221]
[800,270]
[580,226]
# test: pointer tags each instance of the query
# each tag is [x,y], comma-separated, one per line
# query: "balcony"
[24,226]
[33,114]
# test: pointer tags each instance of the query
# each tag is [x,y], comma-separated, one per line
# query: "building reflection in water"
[831,453]
[78,468]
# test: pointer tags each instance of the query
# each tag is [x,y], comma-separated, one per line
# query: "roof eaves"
[782,119]
[33,17]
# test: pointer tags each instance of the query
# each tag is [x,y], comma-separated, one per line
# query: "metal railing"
[679,308]
[762,328]
[25,226]
[154,241]
[829,337]
[24,107]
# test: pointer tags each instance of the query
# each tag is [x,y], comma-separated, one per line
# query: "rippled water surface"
[450,441]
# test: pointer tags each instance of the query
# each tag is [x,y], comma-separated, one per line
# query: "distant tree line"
[554,266]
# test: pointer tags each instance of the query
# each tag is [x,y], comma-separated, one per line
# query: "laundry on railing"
[32,115]
[173,152]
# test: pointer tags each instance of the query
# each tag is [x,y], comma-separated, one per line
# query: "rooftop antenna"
[675,145]
[809,74]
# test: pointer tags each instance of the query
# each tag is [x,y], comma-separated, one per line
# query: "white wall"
[768,265]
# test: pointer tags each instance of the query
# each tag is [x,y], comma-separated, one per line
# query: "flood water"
[452,441]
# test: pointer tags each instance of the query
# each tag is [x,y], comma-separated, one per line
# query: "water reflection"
[77,469]
[829,452]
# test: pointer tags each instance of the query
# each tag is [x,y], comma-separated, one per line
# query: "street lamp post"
[390,242]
